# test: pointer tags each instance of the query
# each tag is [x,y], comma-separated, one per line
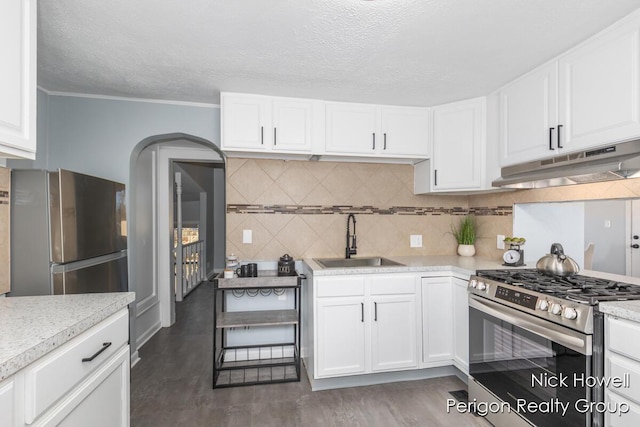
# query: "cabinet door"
[8,416]
[631,418]
[458,145]
[528,115]
[393,332]
[599,100]
[351,128]
[18,78]
[405,131]
[100,401]
[244,122]
[292,121]
[340,336]
[437,319]
[460,324]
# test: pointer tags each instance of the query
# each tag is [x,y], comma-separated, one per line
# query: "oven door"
[529,363]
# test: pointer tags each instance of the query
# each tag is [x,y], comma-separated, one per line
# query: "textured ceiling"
[406,52]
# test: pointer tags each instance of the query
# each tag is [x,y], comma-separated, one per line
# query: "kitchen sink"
[356,262]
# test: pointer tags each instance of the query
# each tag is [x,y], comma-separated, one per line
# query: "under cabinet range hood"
[610,163]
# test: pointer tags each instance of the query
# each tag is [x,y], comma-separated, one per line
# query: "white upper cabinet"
[256,123]
[271,126]
[600,89]
[243,121]
[292,123]
[380,131]
[459,135]
[18,79]
[405,131]
[586,98]
[351,128]
[528,111]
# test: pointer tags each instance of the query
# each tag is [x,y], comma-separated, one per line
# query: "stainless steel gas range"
[534,342]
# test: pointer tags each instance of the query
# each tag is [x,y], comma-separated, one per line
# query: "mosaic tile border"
[4,197]
[366,210]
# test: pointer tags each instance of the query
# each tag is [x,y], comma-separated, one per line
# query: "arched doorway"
[151,226]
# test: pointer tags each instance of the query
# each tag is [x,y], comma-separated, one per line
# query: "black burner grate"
[583,289]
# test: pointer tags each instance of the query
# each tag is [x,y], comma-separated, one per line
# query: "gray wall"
[610,247]
[96,136]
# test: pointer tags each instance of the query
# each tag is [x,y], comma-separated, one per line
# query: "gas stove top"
[581,289]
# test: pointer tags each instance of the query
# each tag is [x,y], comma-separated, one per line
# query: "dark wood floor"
[171,386]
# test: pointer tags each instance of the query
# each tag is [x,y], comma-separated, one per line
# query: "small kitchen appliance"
[523,324]
[556,263]
[286,266]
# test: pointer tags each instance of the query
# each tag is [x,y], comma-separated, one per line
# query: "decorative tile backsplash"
[5,260]
[364,210]
[300,207]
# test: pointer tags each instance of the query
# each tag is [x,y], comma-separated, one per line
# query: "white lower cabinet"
[365,324]
[460,324]
[622,358]
[437,320]
[83,382]
[340,334]
[370,323]
[445,322]
[393,332]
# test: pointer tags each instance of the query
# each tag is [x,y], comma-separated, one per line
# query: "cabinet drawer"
[56,374]
[616,367]
[340,286]
[623,337]
[619,419]
[393,285]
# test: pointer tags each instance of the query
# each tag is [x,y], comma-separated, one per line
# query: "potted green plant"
[465,234]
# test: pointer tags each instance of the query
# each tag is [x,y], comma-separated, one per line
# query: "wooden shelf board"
[237,319]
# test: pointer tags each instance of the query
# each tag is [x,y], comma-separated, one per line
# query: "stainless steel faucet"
[351,246]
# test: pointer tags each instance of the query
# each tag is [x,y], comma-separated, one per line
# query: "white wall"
[610,242]
[545,223]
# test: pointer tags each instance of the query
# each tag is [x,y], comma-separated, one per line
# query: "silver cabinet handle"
[375,311]
[362,312]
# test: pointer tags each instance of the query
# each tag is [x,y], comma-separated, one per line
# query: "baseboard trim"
[135,358]
[383,377]
[147,335]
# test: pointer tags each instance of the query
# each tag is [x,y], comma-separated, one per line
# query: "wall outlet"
[247,236]
[500,241]
[415,241]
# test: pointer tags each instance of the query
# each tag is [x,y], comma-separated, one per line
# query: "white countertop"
[31,327]
[462,265]
[629,310]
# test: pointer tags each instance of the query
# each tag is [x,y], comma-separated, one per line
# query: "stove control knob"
[544,305]
[569,313]
[481,286]
[556,309]
[473,283]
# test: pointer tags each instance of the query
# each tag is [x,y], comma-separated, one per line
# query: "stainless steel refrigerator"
[68,234]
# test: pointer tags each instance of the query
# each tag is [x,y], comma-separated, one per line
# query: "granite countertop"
[629,310]
[31,327]
[463,265]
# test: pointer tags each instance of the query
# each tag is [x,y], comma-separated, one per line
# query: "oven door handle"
[551,331]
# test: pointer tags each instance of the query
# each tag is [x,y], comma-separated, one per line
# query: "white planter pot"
[466,250]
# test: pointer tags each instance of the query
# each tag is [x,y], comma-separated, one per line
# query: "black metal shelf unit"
[255,364]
